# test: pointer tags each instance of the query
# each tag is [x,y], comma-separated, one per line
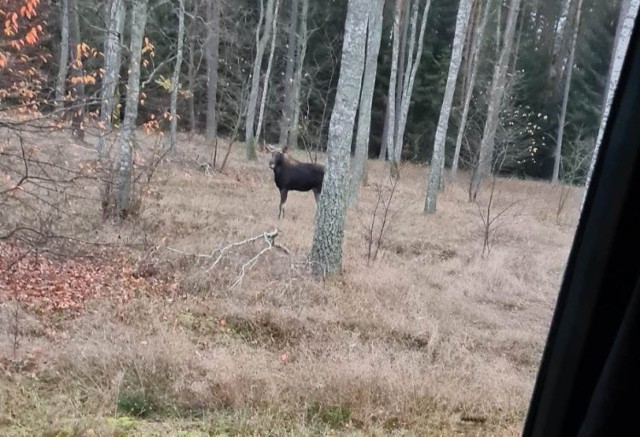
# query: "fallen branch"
[269,239]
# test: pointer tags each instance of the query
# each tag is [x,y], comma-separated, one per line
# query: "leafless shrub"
[374,230]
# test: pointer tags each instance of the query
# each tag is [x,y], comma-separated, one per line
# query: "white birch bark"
[462,20]
[63,61]
[175,79]
[413,62]
[628,13]
[374,36]
[303,39]
[565,97]
[326,252]
[287,103]
[475,53]
[391,105]
[261,45]
[496,93]
[115,21]
[265,86]
[124,182]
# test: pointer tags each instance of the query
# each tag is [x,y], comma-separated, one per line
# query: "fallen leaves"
[48,284]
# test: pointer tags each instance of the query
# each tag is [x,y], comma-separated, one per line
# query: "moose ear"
[285,149]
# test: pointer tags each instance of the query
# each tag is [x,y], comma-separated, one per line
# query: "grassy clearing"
[430,339]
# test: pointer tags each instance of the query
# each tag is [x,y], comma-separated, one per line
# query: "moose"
[292,175]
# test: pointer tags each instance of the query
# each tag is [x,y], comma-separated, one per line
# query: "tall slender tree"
[292,43]
[496,92]
[326,251]
[267,75]
[462,20]
[212,55]
[565,98]
[303,39]
[124,180]
[475,55]
[374,35]
[63,60]
[175,79]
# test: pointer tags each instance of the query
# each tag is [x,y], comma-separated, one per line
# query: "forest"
[152,281]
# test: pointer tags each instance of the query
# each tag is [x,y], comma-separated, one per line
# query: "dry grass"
[431,339]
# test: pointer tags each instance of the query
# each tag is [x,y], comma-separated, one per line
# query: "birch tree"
[212,54]
[63,61]
[77,73]
[413,62]
[114,18]
[462,20]
[628,13]
[265,86]
[496,92]
[175,80]
[303,38]
[326,251]
[391,96]
[261,44]
[288,102]
[475,54]
[374,36]
[124,180]
[565,97]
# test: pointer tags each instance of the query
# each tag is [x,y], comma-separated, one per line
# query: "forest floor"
[147,330]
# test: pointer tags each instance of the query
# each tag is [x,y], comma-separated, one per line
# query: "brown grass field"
[431,338]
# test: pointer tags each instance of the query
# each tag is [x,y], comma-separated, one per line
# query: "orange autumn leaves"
[19,26]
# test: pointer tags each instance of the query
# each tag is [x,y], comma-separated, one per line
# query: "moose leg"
[283,199]
[316,195]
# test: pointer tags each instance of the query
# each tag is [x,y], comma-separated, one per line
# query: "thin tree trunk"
[366,98]
[496,93]
[265,86]
[326,251]
[464,11]
[191,69]
[77,73]
[628,13]
[114,17]
[261,44]
[63,63]
[124,181]
[516,50]
[475,53]
[402,58]
[410,75]
[303,38]
[391,105]
[175,80]
[565,97]
[212,48]
[287,108]
[385,132]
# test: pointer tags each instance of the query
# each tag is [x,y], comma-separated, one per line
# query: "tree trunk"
[191,71]
[374,36]
[464,11]
[265,86]
[212,47]
[261,44]
[516,50]
[496,93]
[326,252]
[287,108]
[475,53]
[391,103]
[77,73]
[124,181]
[565,97]
[628,13]
[402,58]
[385,132]
[413,62]
[297,76]
[114,18]
[175,80]
[63,63]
